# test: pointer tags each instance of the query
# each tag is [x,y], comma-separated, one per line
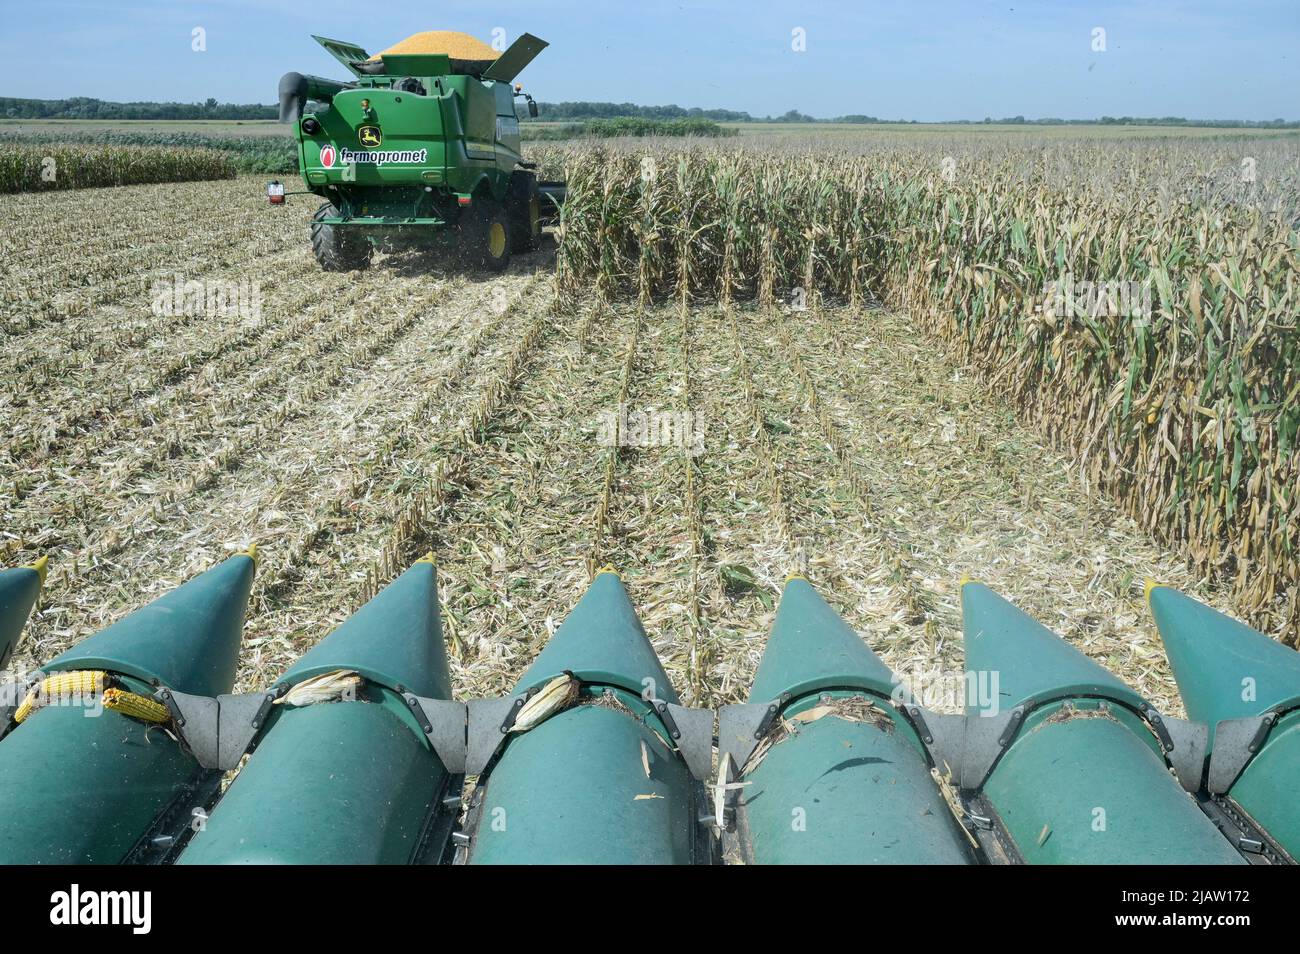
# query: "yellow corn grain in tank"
[457,46]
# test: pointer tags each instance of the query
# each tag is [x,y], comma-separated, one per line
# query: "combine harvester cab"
[19,588]
[342,770]
[825,765]
[1245,687]
[592,761]
[88,774]
[1063,763]
[414,145]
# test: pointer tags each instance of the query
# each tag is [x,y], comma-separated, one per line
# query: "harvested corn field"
[349,423]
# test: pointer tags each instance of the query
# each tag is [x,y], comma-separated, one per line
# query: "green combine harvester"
[417,149]
[116,750]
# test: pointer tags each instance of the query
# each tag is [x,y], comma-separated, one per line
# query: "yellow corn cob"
[85,683]
[136,706]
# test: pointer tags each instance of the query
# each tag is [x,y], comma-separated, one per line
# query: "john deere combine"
[115,751]
[417,147]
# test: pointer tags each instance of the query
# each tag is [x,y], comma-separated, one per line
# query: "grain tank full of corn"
[421,145]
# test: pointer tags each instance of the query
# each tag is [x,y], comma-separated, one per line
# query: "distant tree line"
[582,111]
[1141,121]
[564,111]
[640,126]
[86,107]
[560,112]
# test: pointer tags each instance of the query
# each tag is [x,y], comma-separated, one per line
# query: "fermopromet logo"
[76,907]
[327,156]
[383,156]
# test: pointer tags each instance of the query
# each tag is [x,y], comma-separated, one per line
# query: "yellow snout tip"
[40,566]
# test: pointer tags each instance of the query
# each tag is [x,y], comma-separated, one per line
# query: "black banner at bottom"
[339,905]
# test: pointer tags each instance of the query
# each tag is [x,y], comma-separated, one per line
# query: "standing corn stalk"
[1186,409]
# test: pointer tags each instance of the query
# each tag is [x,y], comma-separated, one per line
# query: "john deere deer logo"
[370,136]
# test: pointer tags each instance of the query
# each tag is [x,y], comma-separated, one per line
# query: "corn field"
[268,152]
[33,168]
[1184,408]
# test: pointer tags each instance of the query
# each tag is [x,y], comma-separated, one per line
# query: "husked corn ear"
[557,695]
[86,681]
[458,46]
[327,687]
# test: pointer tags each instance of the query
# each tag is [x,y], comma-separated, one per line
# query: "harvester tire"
[525,205]
[335,249]
[485,233]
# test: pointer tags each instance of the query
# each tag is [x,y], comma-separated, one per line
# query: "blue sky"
[926,60]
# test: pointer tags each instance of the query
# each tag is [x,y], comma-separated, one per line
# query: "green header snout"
[394,640]
[19,588]
[812,648]
[602,641]
[187,639]
[1224,668]
[1026,660]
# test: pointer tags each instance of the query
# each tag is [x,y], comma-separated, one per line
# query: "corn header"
[418,146]
[116,750]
